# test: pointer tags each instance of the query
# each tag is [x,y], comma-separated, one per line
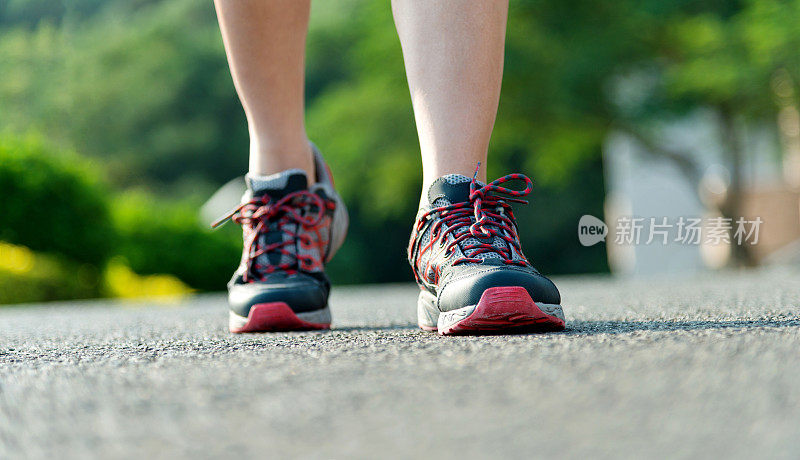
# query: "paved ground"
[684,367]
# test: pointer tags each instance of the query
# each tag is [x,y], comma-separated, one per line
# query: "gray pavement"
[682,367]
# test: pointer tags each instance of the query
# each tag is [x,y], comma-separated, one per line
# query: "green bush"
[52,201]
[166,237]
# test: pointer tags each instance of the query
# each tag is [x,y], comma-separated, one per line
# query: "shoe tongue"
[455,188]
[277,185]
[452,188]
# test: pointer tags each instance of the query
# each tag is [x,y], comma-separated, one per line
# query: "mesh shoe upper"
[465,240]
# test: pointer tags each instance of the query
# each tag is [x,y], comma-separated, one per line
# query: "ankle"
[465,168]
[274,157]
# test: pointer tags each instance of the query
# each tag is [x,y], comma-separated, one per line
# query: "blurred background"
[118,121]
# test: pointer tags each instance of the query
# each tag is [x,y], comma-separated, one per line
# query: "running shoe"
[290,232]
[466,257]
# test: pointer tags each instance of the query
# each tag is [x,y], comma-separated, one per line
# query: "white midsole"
[427,314]
[552,310]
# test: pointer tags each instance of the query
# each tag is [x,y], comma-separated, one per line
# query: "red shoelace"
[485,216]
[257,215]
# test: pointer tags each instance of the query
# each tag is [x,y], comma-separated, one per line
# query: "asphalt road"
[683,367]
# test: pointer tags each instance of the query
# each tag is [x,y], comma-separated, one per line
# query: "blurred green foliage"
[56,204]
[53,201]
[157,237]
[142,85]
[142,88]
[26,276]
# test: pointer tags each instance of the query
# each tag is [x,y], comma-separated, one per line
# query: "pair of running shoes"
[464,251]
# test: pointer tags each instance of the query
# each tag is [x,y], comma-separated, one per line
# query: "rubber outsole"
[273,317]
[500,310]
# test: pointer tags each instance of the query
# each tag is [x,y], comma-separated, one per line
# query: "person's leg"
[453,51]
[465,250]
[265,43]
[291,227]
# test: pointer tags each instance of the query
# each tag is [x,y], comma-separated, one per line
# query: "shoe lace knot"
[476,223]
[294,215]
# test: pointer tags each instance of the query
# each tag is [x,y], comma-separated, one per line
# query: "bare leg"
[453,51]
[265,43]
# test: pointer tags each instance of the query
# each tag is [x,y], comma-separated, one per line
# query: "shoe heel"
[427,313]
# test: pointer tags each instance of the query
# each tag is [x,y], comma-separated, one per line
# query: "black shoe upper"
[302,292]
[464,285]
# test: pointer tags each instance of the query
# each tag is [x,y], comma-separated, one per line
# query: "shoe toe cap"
[300,292]
[466,289]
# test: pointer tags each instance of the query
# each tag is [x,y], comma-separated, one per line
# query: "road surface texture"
[680,367]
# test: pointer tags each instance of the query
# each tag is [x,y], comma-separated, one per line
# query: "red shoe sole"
[276,317]
[504,310]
